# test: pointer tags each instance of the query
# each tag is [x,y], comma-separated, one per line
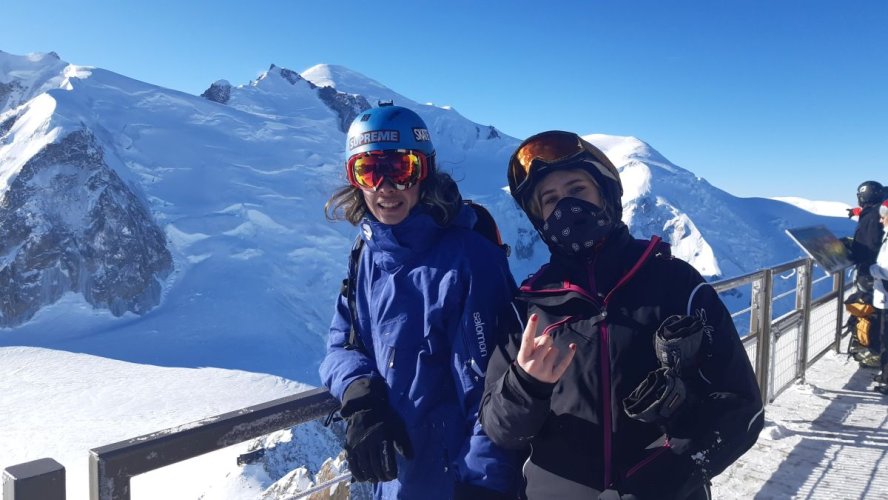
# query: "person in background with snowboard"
[623,376]
[414,327]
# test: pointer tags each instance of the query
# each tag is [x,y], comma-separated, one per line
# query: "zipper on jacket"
[557,324]
[650,458]
[475,368]
[608,424]
[605,359]
[471,363]
[607,428]
[605,377]
[391,359]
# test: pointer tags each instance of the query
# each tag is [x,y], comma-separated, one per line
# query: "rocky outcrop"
[68,222]
[6,126]
[292,76]
[492,133]
[524,243]
[219,92]
[347,106]
[7,94]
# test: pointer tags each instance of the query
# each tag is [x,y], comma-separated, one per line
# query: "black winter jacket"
[580,440]
[865,245]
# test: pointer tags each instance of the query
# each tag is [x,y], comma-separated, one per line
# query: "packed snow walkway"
[824,438]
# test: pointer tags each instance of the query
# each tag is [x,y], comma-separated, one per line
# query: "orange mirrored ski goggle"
[541,151]
[403,167]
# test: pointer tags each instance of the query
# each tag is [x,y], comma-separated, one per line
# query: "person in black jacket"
[863,248]
[628,380]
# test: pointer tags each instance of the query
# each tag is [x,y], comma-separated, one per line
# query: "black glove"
[850,212]
[374,432]
[657,399]
[466,491]
[677,344]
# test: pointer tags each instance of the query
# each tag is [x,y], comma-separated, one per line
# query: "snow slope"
[828,208]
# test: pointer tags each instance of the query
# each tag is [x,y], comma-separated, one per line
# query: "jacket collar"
[395,245]
[596,275]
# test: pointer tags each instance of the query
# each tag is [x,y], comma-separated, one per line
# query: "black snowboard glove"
[677,344]
[374,432]
[664,397]
[657,399]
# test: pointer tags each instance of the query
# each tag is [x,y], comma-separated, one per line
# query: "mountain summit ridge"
[274,148]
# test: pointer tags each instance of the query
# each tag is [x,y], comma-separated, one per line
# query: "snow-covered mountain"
[153,227]
[23,78]
[720,234]
[110,185]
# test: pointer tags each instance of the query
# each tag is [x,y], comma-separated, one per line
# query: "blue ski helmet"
[388,127]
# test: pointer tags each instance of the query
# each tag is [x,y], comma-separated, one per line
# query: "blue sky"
[761,98]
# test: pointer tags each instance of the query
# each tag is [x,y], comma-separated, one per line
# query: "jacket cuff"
[533,387]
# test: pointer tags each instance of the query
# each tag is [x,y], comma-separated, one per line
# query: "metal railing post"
[42,479]
[762,296]
[839,284]
[803,302]
[755,312]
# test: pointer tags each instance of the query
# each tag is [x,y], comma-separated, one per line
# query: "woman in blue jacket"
[427,294]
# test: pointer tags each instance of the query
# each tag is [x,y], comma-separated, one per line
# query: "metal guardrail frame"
[112,466]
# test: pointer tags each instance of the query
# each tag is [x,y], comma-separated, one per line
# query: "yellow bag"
[860,321]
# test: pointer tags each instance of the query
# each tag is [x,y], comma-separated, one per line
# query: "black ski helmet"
[869,193]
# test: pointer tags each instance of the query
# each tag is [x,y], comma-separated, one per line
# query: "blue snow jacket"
[429,301]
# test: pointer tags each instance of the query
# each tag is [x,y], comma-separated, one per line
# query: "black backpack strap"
[348,291]
[486,225]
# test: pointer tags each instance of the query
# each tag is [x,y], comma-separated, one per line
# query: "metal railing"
[780,351]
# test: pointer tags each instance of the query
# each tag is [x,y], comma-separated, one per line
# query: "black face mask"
[575,227]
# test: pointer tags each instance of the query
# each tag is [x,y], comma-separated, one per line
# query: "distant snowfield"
[88,401]
[828,208]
